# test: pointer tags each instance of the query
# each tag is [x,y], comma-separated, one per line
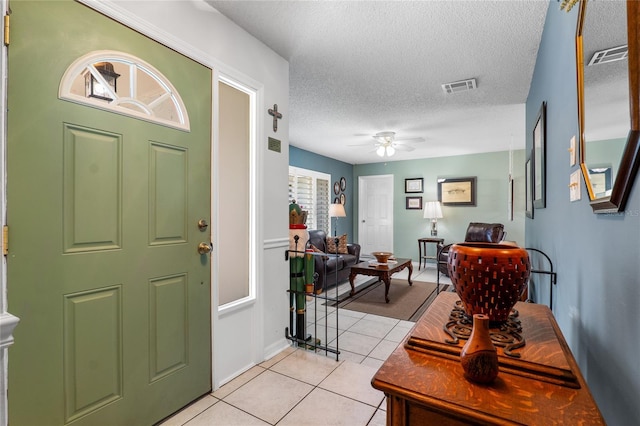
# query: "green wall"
[491,170]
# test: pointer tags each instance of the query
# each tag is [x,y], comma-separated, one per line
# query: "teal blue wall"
[491,170]
[337,169]
[596,256]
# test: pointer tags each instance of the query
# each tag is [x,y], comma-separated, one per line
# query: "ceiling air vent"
[459,86]
[609,55]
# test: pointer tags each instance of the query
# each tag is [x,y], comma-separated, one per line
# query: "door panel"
[168,207]
[375,215]
[168,323]
[92,185]
[103,269]
[92,330]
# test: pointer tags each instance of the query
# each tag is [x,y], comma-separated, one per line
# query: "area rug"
[405,302]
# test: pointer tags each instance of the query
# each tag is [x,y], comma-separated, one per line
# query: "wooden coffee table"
[383,272]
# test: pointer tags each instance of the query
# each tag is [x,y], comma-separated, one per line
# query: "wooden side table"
[422,248]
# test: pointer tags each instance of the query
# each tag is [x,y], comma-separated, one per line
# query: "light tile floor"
[300,387]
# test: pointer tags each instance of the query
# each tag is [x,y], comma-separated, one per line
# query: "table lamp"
[433,211]
[336,210]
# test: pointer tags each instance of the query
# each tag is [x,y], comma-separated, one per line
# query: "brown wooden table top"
[543,386]
[399,263]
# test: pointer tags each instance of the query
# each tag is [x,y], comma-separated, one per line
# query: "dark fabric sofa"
[331,270]
[477,232]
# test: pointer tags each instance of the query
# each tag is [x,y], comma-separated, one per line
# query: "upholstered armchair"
[476,233]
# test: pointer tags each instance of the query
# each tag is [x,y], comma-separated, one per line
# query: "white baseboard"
[275,348]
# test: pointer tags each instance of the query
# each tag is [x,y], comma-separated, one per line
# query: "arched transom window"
[119,82]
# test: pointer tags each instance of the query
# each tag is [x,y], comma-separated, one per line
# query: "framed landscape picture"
[457,191]
[528,188]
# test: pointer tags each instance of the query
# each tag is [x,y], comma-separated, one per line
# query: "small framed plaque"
[413,185]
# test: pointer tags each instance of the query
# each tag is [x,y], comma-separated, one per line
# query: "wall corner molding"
[276,243]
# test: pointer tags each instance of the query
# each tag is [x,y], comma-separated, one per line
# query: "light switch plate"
[572,151]
[574,186]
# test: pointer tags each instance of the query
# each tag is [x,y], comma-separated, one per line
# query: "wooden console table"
[383,272]
[424,383]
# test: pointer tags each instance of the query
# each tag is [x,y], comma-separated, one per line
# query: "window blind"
[310,190]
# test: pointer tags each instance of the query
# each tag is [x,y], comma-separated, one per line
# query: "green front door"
[103,211]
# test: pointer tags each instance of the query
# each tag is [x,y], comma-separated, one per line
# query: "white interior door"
[375,213]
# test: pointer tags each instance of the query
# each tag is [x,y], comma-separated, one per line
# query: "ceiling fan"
[387,143]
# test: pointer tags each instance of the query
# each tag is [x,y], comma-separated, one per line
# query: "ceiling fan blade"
[411,140]
[406,148]
[362,144]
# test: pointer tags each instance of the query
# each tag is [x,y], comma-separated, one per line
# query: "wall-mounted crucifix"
[276,115]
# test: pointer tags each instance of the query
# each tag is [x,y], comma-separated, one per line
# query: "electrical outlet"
[574,315]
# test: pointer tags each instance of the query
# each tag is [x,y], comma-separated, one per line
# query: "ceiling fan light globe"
[390,150]
[380,151]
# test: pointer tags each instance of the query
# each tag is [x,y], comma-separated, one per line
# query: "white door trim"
[7,321]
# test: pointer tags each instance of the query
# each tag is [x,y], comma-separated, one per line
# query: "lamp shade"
[432,210]
[337,210]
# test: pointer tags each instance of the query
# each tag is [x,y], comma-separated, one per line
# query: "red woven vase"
[488,277]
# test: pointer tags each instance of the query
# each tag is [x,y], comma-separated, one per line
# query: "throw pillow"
[342,244]
[315,249]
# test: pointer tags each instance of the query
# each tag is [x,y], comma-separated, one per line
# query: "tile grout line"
[314,387]
[376,407]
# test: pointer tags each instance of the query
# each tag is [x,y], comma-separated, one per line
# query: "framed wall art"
[413,185]
[414,203]
[457,191]
[539,160]
[528,188]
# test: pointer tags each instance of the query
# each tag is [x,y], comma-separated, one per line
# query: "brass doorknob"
[204,248]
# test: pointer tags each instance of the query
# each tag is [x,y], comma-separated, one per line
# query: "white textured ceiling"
[362,67]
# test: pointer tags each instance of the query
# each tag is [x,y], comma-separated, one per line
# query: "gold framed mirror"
[608,100]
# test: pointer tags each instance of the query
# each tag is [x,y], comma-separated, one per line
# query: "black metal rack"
[553,276]
[297,330]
